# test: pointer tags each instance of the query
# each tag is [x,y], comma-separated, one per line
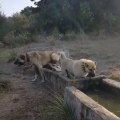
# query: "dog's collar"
[27,58]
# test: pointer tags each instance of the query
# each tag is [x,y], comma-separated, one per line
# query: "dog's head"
[89,67]
[55,57]
[20,59]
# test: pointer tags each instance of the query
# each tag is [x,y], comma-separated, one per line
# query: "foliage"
[86,17]
[74,15]
[63,16]
[61,110]
[3,21]
[27,11]
[19,23]
[14,30]
[15,40]
[12,55]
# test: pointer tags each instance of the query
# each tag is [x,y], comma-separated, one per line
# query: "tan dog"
[38,59]
[78,68]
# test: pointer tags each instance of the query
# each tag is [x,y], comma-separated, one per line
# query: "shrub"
[86,17]
[12,55]
[60,110]
[3,29]
[5,85]
[11,40]
[19,23]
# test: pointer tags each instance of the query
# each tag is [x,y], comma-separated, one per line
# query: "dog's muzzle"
[19,63]
[91,73]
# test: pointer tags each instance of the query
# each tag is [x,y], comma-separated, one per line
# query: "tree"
[27,11]
[19,23]
[3,25]
[73,15]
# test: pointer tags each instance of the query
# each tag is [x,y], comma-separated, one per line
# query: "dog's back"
[42,57]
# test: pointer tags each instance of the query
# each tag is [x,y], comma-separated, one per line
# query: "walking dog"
[39,59]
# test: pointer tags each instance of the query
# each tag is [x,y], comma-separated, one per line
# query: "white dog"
[78,68]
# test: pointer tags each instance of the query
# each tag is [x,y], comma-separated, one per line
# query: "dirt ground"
[29,101]
[26,100]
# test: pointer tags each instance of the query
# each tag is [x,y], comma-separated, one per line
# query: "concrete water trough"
[86,108]
[59,82]
[80,97]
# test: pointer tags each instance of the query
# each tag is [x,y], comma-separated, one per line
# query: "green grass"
[12,55]
[59,110]
[8,55]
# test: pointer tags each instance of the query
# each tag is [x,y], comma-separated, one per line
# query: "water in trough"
[109,100]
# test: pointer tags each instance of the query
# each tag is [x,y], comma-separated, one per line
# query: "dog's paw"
[42,81]
[33,80]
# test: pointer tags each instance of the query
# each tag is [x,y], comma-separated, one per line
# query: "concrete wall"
[85,108]
[55,80]
[59,82]
[111,85]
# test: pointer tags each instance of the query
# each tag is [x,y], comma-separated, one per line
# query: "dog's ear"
[59,54]
[62,55]
[22,56]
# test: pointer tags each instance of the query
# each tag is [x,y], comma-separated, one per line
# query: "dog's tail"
[62,54]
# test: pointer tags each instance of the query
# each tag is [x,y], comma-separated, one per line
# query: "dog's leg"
[69,75]
[42,75]
[86,75]
[35,78]
[36,73]
[41,72]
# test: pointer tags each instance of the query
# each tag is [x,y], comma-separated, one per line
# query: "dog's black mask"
[18,62]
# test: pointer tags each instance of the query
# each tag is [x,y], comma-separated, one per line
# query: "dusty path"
[26,101]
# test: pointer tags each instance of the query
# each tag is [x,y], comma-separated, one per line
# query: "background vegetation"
[63,16]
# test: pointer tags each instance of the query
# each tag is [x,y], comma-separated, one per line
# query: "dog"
[38,59]
[77,68]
